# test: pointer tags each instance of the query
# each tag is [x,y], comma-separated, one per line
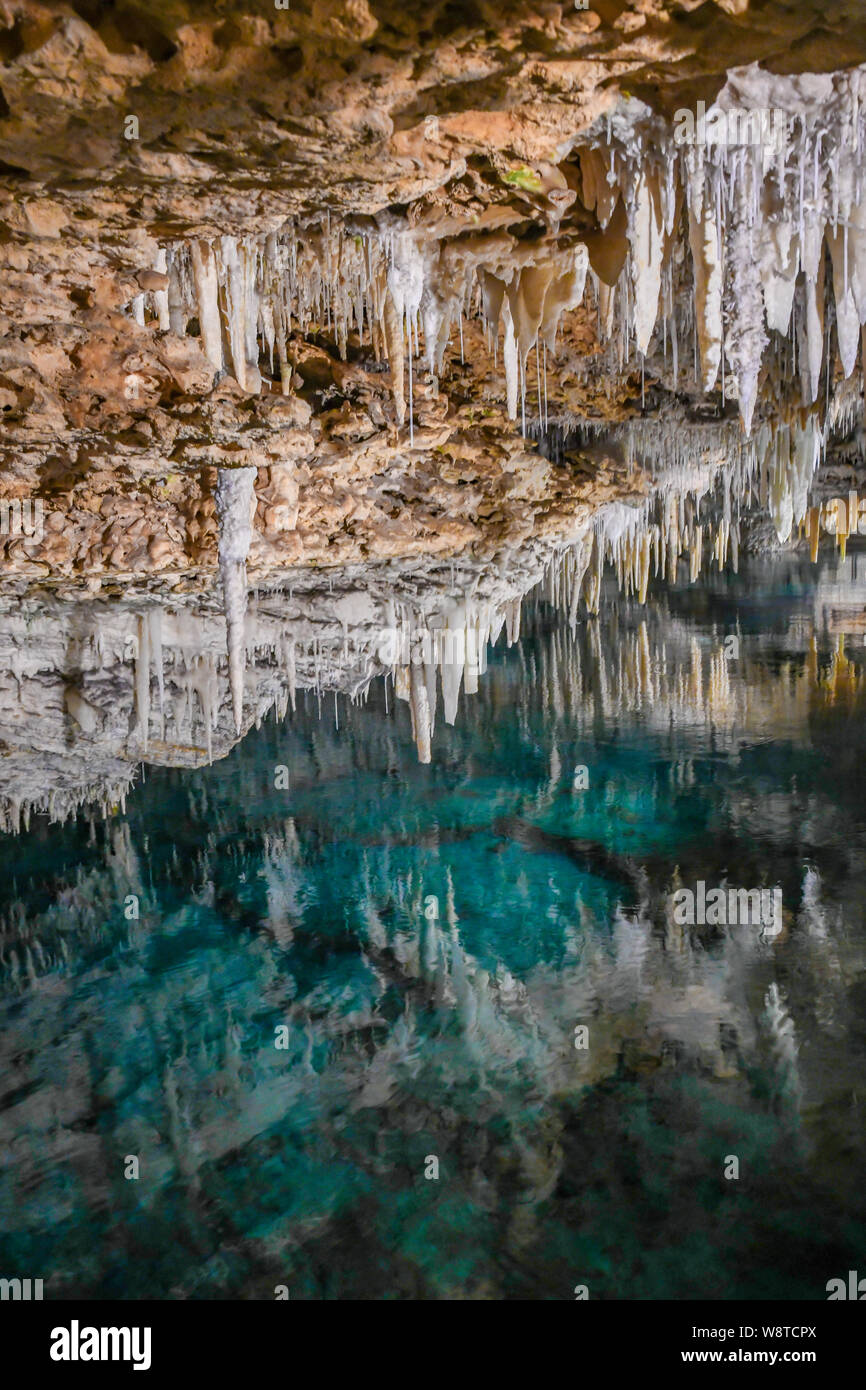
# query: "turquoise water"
[429,938]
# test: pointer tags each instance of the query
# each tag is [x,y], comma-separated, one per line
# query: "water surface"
[428,939]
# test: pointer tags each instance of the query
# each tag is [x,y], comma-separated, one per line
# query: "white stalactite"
[160,298]
[206,278]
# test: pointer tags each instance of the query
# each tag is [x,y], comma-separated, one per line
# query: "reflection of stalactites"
[142,680]
[234,501]
[783,1041]
[593,576]
[813,914]
[453,660]
[419,704]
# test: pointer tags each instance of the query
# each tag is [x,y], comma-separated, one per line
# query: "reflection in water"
[90,687]
[330,983]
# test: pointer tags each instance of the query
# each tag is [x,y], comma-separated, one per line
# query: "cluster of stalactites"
[250,293]
[62,804]
[390,287]
[768,203]
[774,469]
[422,655]
[639,548]
[762,214]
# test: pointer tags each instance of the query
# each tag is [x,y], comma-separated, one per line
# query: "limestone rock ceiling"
[247,110]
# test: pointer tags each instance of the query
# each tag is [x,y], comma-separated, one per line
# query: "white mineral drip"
[791,456]
[393,331]
[847,318]
[238,274]
[814,293]
[474,658]
[746,338]
[160,298]
[779,261]
[176,309]
[707,264]
[235,504]
[509,356]
[647,244]
[206,278]
[85,714]
[406,279]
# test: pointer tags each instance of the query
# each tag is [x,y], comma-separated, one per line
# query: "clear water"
[431,954]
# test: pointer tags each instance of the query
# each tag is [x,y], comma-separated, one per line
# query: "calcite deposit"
[434,301]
